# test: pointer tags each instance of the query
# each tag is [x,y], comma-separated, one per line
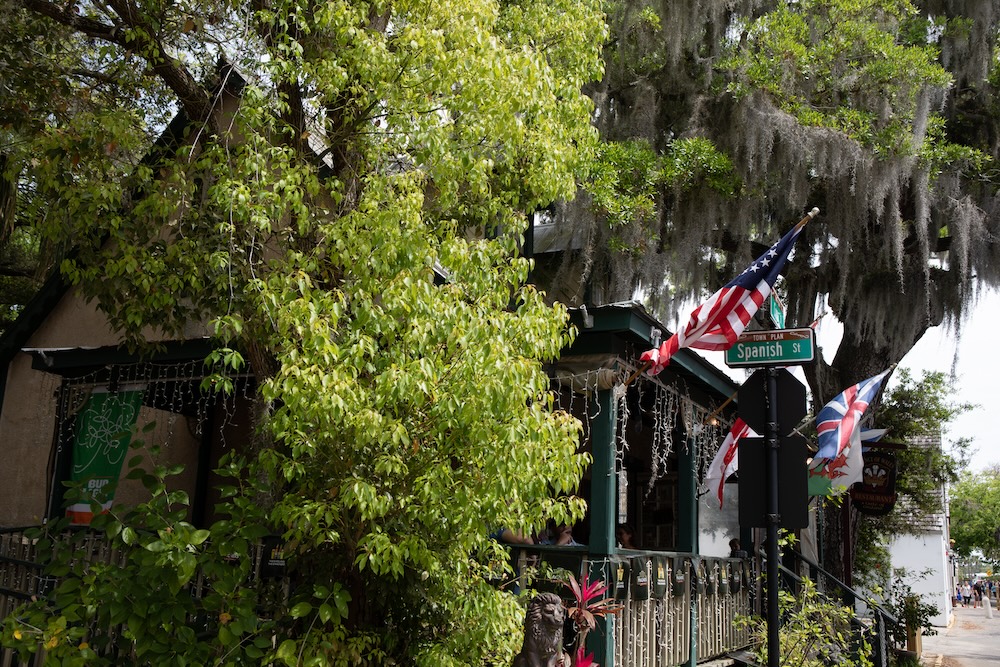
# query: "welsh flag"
[832,477]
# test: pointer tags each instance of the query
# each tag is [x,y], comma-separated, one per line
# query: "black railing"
[23,578]
[877,624]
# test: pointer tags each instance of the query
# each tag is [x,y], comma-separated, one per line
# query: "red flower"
[586,610]
[584,660]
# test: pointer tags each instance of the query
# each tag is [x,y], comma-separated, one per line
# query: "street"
[972,640]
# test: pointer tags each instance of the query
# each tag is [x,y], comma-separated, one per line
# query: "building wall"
[925,558]
[29,413]
[26,430]
[716,527]
[925,553]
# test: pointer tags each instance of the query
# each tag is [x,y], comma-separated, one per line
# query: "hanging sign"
[102,435]
[876,494]
[273,564]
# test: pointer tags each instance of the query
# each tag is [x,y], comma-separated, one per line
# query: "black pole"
[773,520]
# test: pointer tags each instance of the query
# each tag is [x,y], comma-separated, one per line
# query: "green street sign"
[776,310]
[780,347]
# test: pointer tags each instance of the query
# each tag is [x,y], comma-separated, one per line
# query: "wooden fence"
[667,599]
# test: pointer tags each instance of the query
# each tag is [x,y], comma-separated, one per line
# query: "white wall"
[716,527]
[926,555]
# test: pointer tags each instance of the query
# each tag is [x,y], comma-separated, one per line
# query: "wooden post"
[603,515]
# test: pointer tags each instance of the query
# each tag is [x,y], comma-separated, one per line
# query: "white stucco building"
[925,555]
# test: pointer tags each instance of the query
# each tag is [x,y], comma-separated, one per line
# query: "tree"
[975,506]
[816,631]
[923,407]
[50,79]
[723,122]
[911,408]
[329,163]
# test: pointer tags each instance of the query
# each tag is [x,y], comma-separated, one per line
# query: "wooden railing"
[664,596]
[654,628]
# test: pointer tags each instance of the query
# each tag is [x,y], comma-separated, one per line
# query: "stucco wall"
[26,430]
[28,419]
[925,559]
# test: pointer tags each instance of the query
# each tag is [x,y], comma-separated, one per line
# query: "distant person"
[735,550]
[560,534]
[966,594]
[625,536]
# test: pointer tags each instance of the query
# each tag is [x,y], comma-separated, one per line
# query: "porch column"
[687,497]
[603,515]
[687,526]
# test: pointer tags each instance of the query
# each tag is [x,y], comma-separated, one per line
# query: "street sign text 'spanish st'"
[780,347]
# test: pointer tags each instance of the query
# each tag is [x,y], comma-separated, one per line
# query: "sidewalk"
[972,640]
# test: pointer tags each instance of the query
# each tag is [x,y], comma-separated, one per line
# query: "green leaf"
[301,609]
[199,536]
[287,652]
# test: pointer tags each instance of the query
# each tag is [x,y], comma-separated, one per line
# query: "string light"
[174,411]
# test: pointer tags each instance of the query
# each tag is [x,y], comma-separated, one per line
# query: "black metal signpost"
[773,520]
[782,407]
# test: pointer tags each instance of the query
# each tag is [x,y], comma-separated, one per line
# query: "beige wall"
[28,420]
[26,428]
[28,413]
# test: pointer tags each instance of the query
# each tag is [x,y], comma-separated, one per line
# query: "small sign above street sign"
[780,347]
[776,310]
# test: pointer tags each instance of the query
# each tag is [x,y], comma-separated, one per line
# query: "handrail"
[840,584]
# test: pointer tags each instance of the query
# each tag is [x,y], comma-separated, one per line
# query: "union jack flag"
[841,417]
[717,323]
[726,462]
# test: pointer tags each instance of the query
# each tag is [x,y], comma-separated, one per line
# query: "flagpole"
[639,371]
[715,412]
[809,216]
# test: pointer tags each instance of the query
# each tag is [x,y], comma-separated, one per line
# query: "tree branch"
[142,39]
[84,73]
[15,272]
[293,114]
[88,26]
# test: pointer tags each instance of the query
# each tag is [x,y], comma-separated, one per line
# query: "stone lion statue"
[543,634]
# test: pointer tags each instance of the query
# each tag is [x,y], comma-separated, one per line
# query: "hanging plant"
[589,606]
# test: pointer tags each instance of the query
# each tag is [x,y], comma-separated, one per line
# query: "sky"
[976,371]
[976,377]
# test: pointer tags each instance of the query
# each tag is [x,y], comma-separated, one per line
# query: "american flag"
[841,417]
[726,462]
[717,323]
